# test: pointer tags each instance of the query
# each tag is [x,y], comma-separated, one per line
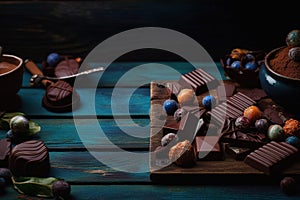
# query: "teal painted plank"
[63,134]
[92,102]
[139,72]
[132,192]
[81,167]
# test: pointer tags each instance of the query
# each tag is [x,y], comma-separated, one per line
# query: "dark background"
[32,29]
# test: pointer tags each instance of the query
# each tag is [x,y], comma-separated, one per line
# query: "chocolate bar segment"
[231,108]
[238,153]
[208,148]
[272,157]
[30,158]
[198,79]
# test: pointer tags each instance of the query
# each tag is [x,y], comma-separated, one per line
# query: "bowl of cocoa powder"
[280,77]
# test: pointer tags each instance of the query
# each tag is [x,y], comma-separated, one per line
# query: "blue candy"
[170,106]
[293,140]
[53,59]
[236,64]
[250,57]
[251,66]
[208,101]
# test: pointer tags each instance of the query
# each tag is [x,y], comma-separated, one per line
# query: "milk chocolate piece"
[30,158]
[171,125]
[238,153]
[208,148]
[5,147]
[272,157]
[198,79]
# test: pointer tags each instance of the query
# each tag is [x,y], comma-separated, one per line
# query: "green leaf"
[34,128]
[34,186]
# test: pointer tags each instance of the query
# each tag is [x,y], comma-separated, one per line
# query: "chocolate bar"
[198,80]
[208,148]
[272,157]
[30,158]
[171,125]
[231,108]
[5,147]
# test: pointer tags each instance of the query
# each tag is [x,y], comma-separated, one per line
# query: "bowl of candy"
[242,66]
[280,74]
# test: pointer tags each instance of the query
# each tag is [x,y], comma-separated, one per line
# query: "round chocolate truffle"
[19,124]
[186,97]
[294,53]
[61,189]
[275,132]
[262,125]
[168,138]
[293,140]
[242,122]
[293,38]
[288,185]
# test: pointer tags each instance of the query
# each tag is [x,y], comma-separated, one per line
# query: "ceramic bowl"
[243,76]
[282,89]
[11,78]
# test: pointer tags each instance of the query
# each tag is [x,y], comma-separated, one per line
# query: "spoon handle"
[34,70]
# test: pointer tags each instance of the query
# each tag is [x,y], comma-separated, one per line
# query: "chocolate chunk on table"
[199,80]
[238,153]
[5,148]
[272,157]
[238,138]
[208,148]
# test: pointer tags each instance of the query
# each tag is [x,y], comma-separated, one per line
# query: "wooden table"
[91,179]
[32,29]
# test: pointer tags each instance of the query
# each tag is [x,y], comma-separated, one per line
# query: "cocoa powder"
[282,64]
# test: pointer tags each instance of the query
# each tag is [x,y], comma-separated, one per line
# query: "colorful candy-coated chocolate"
[262,125]
[294,53]
[53,59]
[242,122]
[170,106]
[251,66]
[293,38]
[179,113]
[168,138]
[186,97]
[275,132]
[236,64]
[253,113]
[293,140]
[209,102]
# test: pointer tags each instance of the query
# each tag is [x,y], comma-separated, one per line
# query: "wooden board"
[213,172]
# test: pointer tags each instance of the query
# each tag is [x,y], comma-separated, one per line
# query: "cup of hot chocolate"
[11,76]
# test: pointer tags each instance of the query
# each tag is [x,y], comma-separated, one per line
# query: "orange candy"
[186,97]
[253,113]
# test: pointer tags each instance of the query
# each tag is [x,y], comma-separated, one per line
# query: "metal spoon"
[37,78]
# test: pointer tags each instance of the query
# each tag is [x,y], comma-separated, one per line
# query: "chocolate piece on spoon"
[60,95]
